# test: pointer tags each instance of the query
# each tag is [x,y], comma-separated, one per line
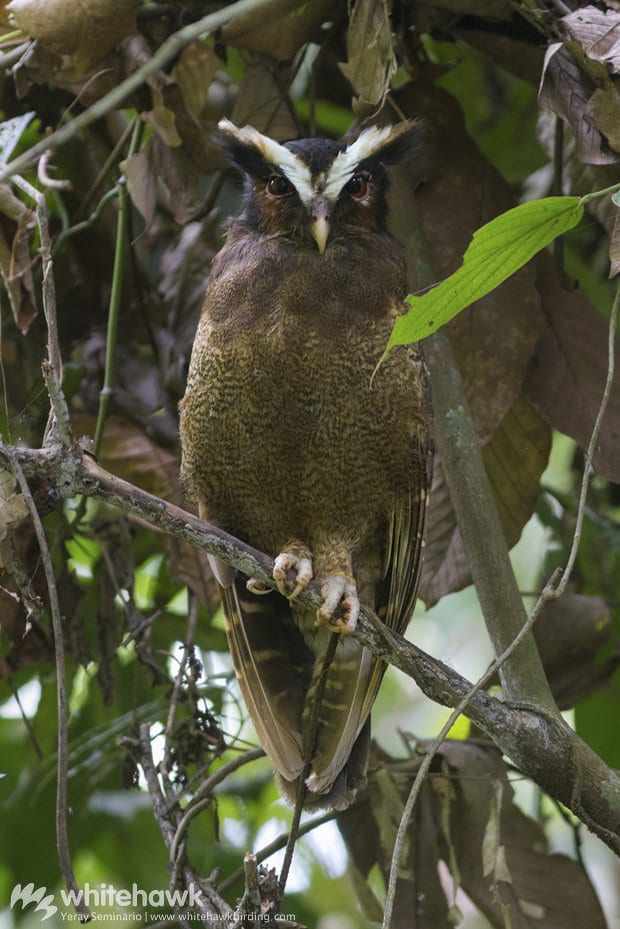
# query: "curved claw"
[289,561]
[334,589]
[257,587]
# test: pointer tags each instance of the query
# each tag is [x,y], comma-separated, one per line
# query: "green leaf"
[497,250]
[616,198]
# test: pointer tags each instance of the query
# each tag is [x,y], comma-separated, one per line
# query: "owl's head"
[317,189]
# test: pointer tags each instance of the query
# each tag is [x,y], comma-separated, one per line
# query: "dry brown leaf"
[567,90]
[571,634]
[141,182]
[598,32]
[495,338]
[15,259]
[85,29]
[566,378]
[261,102]
[552,889]
[131,455]
[194,72]
[371,62]
[514,458]
[369,830]
[604,107]
[280,28]
[159,172]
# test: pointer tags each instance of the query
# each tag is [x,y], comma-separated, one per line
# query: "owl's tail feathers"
[278,674]
[273,667]
[350,781]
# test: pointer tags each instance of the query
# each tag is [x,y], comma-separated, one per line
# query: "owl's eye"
[357,187]
[278,186]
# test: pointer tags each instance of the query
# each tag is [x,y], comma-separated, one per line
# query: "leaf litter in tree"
[503,859]
[514,458]
[496,251]
[567,91]
[371,62]
[598,31]
[280,29]
[85,29]
[566,378]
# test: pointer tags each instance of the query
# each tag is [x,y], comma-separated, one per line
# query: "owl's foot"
[334,590]
[295,558]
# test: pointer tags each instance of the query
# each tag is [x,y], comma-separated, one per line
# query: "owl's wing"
[396,595]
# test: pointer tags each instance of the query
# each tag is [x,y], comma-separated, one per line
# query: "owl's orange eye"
[357,187]
[278,186]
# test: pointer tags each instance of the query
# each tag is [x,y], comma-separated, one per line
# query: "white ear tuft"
[276,154]
[368,143]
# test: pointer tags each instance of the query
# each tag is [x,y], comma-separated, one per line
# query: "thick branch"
[540,744]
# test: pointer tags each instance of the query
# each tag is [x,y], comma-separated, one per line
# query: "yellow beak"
[319,224]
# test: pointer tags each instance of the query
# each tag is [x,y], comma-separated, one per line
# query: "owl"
[293,442]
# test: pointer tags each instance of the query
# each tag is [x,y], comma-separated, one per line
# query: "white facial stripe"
[344,164]
[280,157]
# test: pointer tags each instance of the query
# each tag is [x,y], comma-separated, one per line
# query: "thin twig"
[43,177]
[312,732]
[115,294]
[85,223]
[203,798]
[276,845]
[52,369]
[103,173]
[62,838]
[116,97]
[188,644]
[214,910]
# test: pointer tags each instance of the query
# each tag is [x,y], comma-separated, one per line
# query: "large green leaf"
[497,250]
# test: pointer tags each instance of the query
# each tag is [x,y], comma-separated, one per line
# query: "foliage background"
[126,591]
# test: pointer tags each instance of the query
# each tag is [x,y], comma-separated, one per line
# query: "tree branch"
[539,743]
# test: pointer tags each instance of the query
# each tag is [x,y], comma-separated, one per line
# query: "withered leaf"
[521,877]
[514,458]
[129,453]
[604,107]
[262,103]
[280,28]
[566,90]
[194,72]
[85,29]
[159,171]
[16,260]
[571,635]
[141,182]
[371,62]
[494,339]
[369,829]
[162,119]
[598,31]
[566,378]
